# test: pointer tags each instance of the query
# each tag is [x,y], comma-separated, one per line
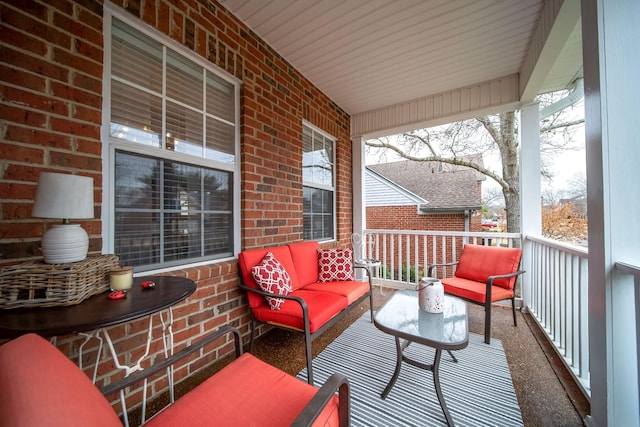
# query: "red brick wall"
[407,218]
[51,97]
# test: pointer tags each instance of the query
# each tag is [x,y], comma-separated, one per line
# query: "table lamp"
[65,197]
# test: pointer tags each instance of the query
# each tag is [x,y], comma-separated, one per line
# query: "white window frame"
[110,145]
[331,188]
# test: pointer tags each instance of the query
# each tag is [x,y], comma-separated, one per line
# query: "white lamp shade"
[63,196]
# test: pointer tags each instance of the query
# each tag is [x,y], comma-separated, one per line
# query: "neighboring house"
[410,195]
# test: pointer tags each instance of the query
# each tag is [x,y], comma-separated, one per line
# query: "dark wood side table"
[97,311]
[92,316]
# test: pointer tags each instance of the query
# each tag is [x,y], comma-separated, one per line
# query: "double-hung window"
[318,176]
[171,137]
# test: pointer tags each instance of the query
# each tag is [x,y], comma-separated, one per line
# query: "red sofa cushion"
[40,386]
[305,258]
[479,262]
[322,307]
[350,289]
[252,257]
[275,399]
[474,290]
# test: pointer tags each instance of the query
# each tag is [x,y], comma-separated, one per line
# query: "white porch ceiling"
[371,54]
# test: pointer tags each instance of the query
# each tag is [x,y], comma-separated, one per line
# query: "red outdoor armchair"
[484,275]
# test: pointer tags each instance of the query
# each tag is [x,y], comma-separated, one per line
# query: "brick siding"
[51,57]
[407,218]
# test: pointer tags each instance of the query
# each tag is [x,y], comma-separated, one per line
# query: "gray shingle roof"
[444,186]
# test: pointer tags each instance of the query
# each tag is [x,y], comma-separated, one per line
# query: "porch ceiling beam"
[557,21]
[490,97]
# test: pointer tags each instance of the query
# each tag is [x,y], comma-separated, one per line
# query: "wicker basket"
[36,284]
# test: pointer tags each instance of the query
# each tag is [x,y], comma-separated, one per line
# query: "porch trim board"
[498,95]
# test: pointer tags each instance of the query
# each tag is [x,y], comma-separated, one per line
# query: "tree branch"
[452,161]
[555,126]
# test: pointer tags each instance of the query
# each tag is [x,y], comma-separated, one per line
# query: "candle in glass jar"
[121,278]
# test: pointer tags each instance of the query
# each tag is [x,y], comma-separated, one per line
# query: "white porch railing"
[557,274]
[558,300]
[406,254]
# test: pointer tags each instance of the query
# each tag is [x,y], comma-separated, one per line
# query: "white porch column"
[359,209]
[610,34]
[530,193]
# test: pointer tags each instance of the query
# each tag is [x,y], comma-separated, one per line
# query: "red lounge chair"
[40,386]
[483,275]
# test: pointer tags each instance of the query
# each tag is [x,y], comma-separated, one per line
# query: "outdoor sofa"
[318,289]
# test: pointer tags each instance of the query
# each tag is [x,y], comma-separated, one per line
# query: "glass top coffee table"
[402,318]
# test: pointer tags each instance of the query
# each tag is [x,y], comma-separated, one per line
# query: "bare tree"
[493,197]
[578,186]
[459,144]
[550,197]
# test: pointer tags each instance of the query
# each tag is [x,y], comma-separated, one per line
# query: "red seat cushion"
[40,386]
[305,258]
[252,257]
[322,307]
[247,392]
[474,290]
[350,289]
[479,262]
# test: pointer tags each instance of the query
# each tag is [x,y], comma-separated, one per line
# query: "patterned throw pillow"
[335,265]
[271,276]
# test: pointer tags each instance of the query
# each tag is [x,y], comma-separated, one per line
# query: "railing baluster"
[400,278]
[434,256]
[425,246]
[564,306]
[407,262]
[444,252]
[416,261]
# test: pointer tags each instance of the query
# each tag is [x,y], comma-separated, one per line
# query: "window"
[318,178]
[172,153]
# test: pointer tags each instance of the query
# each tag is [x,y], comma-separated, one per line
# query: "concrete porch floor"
[546,394]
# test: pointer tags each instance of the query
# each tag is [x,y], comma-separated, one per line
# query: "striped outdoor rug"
[478,389]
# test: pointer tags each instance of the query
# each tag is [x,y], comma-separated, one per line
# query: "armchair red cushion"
[474,291]
[35,374]
[479,262]
[275,397]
